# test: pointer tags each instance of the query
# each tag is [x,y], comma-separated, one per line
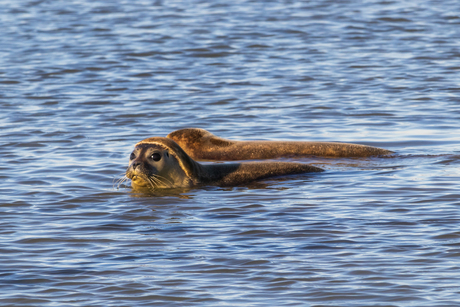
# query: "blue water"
[82,81]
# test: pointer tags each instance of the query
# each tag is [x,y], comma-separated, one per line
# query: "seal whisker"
[170,183]
[125,179]
[119,181]
[115,181]
[155,181]
[152,182]
[163,180]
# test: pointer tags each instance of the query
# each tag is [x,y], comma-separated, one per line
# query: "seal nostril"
[136,164]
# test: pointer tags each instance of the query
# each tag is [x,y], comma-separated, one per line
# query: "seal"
[160,162]
[203,145]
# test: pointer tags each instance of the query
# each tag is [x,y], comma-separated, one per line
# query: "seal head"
[160,163]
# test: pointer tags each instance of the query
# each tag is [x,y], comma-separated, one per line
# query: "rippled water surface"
[82,81]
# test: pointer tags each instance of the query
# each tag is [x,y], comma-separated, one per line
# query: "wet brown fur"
[203,145]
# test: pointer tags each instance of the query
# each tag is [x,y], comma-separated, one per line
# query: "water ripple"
[81,82]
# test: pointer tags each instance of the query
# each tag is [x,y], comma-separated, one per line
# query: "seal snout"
[135,164]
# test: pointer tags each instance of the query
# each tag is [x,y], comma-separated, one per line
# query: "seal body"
[203,145]
[161,163]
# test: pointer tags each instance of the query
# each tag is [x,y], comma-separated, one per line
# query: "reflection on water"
[82,81]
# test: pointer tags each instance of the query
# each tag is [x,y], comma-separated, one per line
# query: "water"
[82,81]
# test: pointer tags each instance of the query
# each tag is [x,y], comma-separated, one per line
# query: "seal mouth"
[139,181]
[153,181]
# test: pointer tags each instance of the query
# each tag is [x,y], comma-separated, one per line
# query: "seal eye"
[156,157]
[132,156]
